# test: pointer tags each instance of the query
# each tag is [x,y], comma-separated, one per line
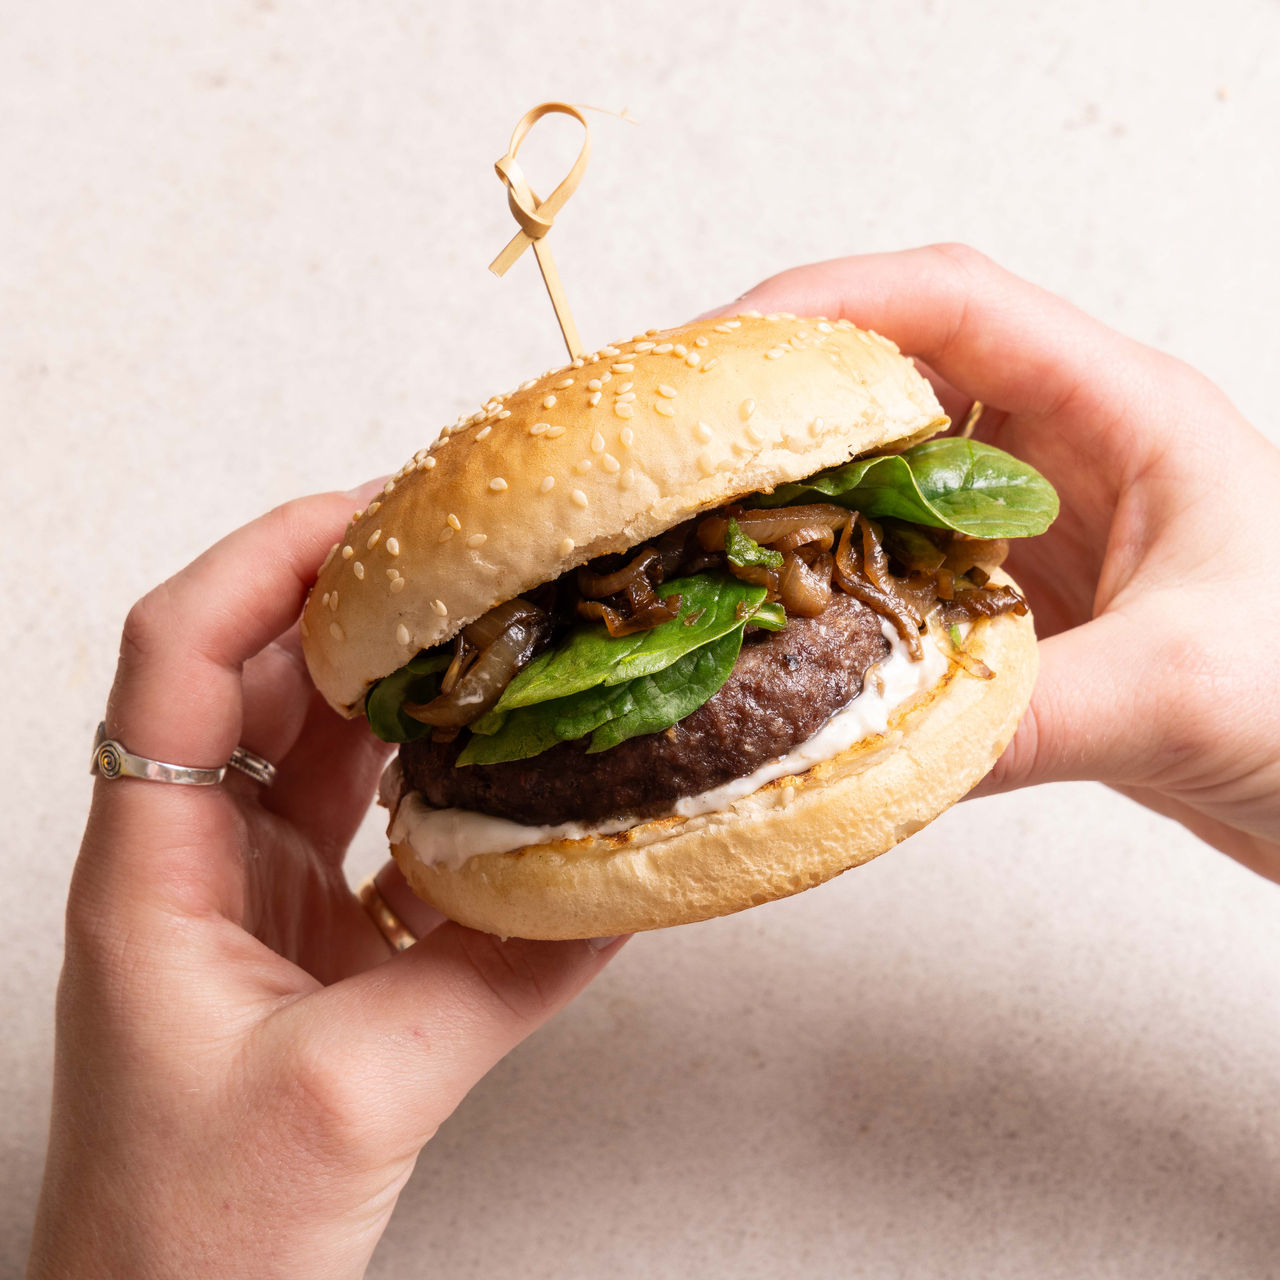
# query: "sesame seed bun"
[787,836]
[594,458]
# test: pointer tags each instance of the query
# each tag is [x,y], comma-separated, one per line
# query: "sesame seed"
[628,478]
[539,427]
[347,553]
[594,385]
[428,463]
[606,377]
[624,409]
[445,534]
[706,463]
[626,435]
[662,407]
[623,386]
[453,521]
[497,484]
[622,368]
[610,351]
[701,341]
[564,384]
[484,431]
[724,328]
[402,634]
[642,347]
[736,324]
[582,466]
[710,364]
[373,506]
[662,348]
[324,600]
[824,327]
[548,483]
[566,545]
[389,486]
[333,601]
[594,398]
[755,434]
[597,443]
[397,586]
[358,570]
[624,397]
[680,349]
[704,432]
[578,498]
[554,433]
[439,607]
[746,409]
[693,359]
[393,574]
[773,315]
[336,631]
[372,540]
[610,464]
[393,546]
[775,354]
[477,540]
[578,362]
[524,386]
[548,402]
[669,392]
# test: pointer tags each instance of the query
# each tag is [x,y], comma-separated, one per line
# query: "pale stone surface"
[244,257]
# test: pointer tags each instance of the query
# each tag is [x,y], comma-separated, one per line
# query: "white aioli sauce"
[448,837]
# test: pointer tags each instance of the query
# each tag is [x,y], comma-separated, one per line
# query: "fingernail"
[602,944]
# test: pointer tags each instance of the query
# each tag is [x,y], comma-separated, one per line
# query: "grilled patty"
[785,686]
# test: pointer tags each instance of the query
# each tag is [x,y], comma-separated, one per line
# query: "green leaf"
[612,713]
[417,681]
[742,551]
[711,605]
[952,483]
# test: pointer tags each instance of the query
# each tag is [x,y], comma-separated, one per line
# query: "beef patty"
[784,687]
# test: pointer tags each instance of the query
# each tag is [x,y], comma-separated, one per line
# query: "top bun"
[593,458]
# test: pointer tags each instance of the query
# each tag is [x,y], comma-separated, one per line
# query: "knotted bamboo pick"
[536,216]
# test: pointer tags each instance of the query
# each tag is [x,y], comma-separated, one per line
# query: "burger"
[693,623]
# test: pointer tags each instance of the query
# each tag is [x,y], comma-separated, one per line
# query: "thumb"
[1094,715]
[427,1024]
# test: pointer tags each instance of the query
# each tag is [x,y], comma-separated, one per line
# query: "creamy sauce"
[448,837]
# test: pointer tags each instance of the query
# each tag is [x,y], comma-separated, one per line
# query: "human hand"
[1154,593]
[244,1075]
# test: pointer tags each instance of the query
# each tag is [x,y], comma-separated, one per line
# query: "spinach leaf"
[417,681]
[952,483]
[741,550]
[772,617]
[711,604]
[612,713]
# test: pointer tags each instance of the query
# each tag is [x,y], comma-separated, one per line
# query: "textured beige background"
[242,252]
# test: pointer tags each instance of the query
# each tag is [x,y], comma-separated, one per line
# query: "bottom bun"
[790,835]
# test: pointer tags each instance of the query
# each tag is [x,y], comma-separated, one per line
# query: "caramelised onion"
[817,536]
[758,575]
[766,526]
[651,615]
[966,553]
[875,564]
[982,602]
[850,579]
[506,638]
[805,590]
[596,586]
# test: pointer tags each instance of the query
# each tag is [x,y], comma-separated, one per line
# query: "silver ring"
[111,761]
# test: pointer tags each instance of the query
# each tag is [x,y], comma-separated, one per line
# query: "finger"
[276,695]
[1094,715]
[993,336]
[419,917]
[413,1035]
[325,784]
